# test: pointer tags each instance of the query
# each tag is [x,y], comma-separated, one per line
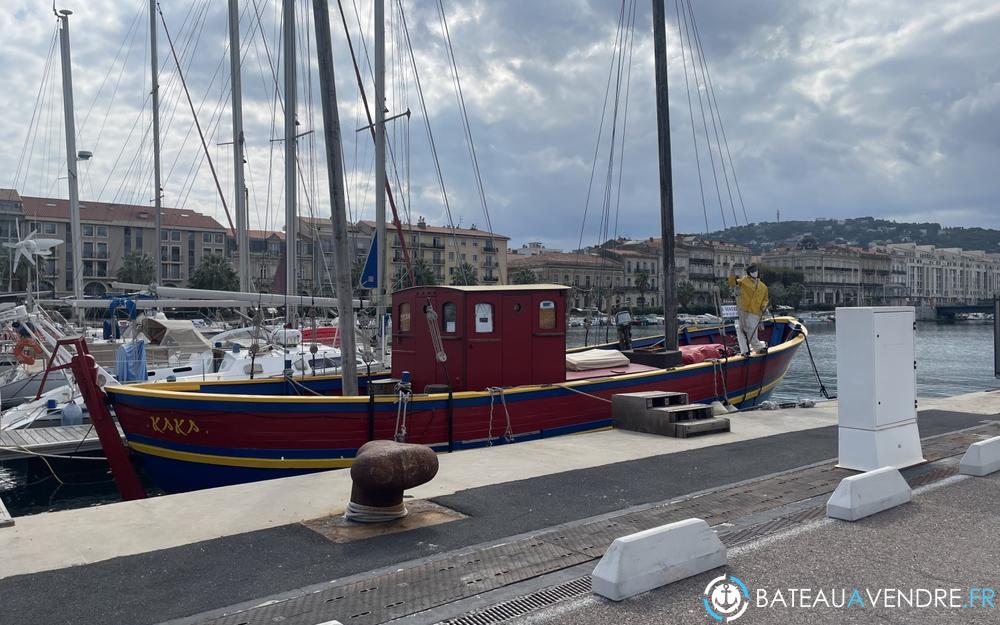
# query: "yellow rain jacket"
[752,296]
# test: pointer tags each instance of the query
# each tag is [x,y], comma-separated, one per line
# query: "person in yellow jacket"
[751,301]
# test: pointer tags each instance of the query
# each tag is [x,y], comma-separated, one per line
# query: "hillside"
[862,231]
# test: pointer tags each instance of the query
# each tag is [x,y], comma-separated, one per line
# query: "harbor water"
[952,359]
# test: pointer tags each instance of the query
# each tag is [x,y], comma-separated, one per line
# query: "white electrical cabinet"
[876,388]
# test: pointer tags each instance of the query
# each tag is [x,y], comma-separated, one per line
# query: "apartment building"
[934,276]
[837,275]
[111,231]
[596,280]
[444,250]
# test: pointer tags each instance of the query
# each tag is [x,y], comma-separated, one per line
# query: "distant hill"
[862,231]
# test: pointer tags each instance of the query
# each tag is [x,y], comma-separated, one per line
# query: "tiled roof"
[562,258]
[124,214]
[464,232]
[267,234]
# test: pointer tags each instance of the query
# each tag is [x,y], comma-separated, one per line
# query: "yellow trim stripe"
[238,461]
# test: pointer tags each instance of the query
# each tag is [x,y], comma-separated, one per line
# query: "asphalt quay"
[200,554]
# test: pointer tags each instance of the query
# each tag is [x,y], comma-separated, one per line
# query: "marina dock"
[524,526]
[60,440]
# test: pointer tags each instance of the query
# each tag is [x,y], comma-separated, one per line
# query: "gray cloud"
[832,109]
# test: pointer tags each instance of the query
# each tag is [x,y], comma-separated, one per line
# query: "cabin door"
[517,336]
[483,331]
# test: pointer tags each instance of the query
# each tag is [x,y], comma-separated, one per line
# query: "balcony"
[490,249]
[491,279]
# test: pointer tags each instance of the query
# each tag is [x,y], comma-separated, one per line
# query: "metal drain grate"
[746,534]
[419,587]
[523,605]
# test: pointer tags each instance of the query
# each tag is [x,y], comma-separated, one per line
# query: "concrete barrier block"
[982,458]
[865,494]
[655,557]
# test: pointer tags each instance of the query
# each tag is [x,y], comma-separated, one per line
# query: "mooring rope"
[508,433]
[570,388]
[405,391]
[360,513]
[812,361]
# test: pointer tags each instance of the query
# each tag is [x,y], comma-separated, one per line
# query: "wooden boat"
[191,435]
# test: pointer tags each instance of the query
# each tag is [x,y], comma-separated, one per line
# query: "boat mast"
[380,242]
[666,184]
[335,177]
[239,197]
[291,216]
[71,158]
[157,189]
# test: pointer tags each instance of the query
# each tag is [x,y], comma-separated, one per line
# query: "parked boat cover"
[691,354]
[596,359]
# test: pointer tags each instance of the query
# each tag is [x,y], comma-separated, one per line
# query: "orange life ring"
[27,350]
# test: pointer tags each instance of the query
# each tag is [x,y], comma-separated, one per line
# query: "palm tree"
[216,273]
[422,271]
[137,268]
[465,275]
[685,293]
[642,284]
[523,276]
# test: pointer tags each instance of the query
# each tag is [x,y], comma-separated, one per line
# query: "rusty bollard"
[381,471]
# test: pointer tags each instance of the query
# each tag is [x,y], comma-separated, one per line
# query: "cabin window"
[449,317]
[484,318]
[257,368]
[404,317]
[547,315]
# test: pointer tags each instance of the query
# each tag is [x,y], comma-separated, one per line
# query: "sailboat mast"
[157,189]
[666,181]
[380,242]
[239,195]
[291,215]
[71,157]
[335,178]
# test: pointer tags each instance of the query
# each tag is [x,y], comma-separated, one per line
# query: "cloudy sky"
[831,109]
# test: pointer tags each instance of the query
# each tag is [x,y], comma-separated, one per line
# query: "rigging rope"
[201,135]
[466,126]
[712,94]
[34,115]
[704,119]
[694,135]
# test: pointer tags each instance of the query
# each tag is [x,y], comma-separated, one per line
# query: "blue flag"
[369,274]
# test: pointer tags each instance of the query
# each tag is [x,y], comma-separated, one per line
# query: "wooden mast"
[335,177]
[666,183]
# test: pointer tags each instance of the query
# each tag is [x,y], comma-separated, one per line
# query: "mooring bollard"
[382,470]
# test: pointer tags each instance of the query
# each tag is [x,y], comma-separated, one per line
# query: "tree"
[422,271]
[215,273]
[465,275]
[783,275]
[685,294]
[642,284]
[20,277]
[523,276]
[137,268]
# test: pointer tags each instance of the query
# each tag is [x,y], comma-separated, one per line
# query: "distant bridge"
[949,312]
